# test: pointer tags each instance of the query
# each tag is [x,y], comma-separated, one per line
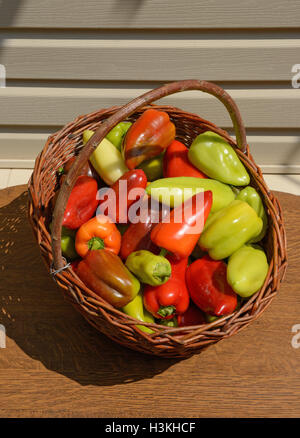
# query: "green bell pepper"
[210,318]
[122,228]
[247,270]
[153,168]
[106,159]
[67,242]
[135,308]
[118,132]
[250,195]
[228,229]
[175,191]
[211,154]
[149,268]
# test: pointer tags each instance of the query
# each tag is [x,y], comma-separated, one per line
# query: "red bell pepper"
[171,298]
[82,202]
[148,137]
[86,170]
[181,237]
[137,235]
[74,264]
[176,162]
[208,287]
[193,316]
[134,179]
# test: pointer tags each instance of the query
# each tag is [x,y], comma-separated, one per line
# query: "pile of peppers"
[135,254]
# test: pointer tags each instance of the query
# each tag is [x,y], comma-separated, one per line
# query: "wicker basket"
[165,341]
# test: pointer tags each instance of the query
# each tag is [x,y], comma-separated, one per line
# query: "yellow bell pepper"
[106,159]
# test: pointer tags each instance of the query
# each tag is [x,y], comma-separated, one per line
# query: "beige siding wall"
[65,58]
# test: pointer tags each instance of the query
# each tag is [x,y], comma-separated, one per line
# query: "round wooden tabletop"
[56,365]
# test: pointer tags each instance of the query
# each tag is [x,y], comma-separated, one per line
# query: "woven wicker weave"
[165,341]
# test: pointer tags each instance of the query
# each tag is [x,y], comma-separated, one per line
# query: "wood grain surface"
[56,365]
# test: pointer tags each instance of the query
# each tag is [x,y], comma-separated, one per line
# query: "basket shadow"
[46,327]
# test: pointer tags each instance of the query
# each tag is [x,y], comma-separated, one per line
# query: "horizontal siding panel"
[284,183]
[147,60]
[19,150]
[275,154]
[136,14]
[260,108]
[4,177]
[19,176]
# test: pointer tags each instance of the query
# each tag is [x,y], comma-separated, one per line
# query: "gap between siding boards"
[266,169]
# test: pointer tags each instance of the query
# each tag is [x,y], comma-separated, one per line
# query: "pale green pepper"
[250,195]
[117,133]
[106,159]
[247,270]
[135,308]
[149,268]
[153,168]
[211,154]
[228,229]
[175,191]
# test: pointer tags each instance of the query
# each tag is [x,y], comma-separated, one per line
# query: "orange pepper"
[180,237]
[98,233]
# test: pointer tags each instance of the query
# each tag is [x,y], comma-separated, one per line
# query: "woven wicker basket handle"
[123,113]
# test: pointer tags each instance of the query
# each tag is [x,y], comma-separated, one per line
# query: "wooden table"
[56,365]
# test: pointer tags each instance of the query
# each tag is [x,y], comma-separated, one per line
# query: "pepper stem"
[169,322]
[162,271]
[96,243]
[165,311]
[163,252]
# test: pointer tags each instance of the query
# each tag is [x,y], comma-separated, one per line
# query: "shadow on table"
[45,326]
